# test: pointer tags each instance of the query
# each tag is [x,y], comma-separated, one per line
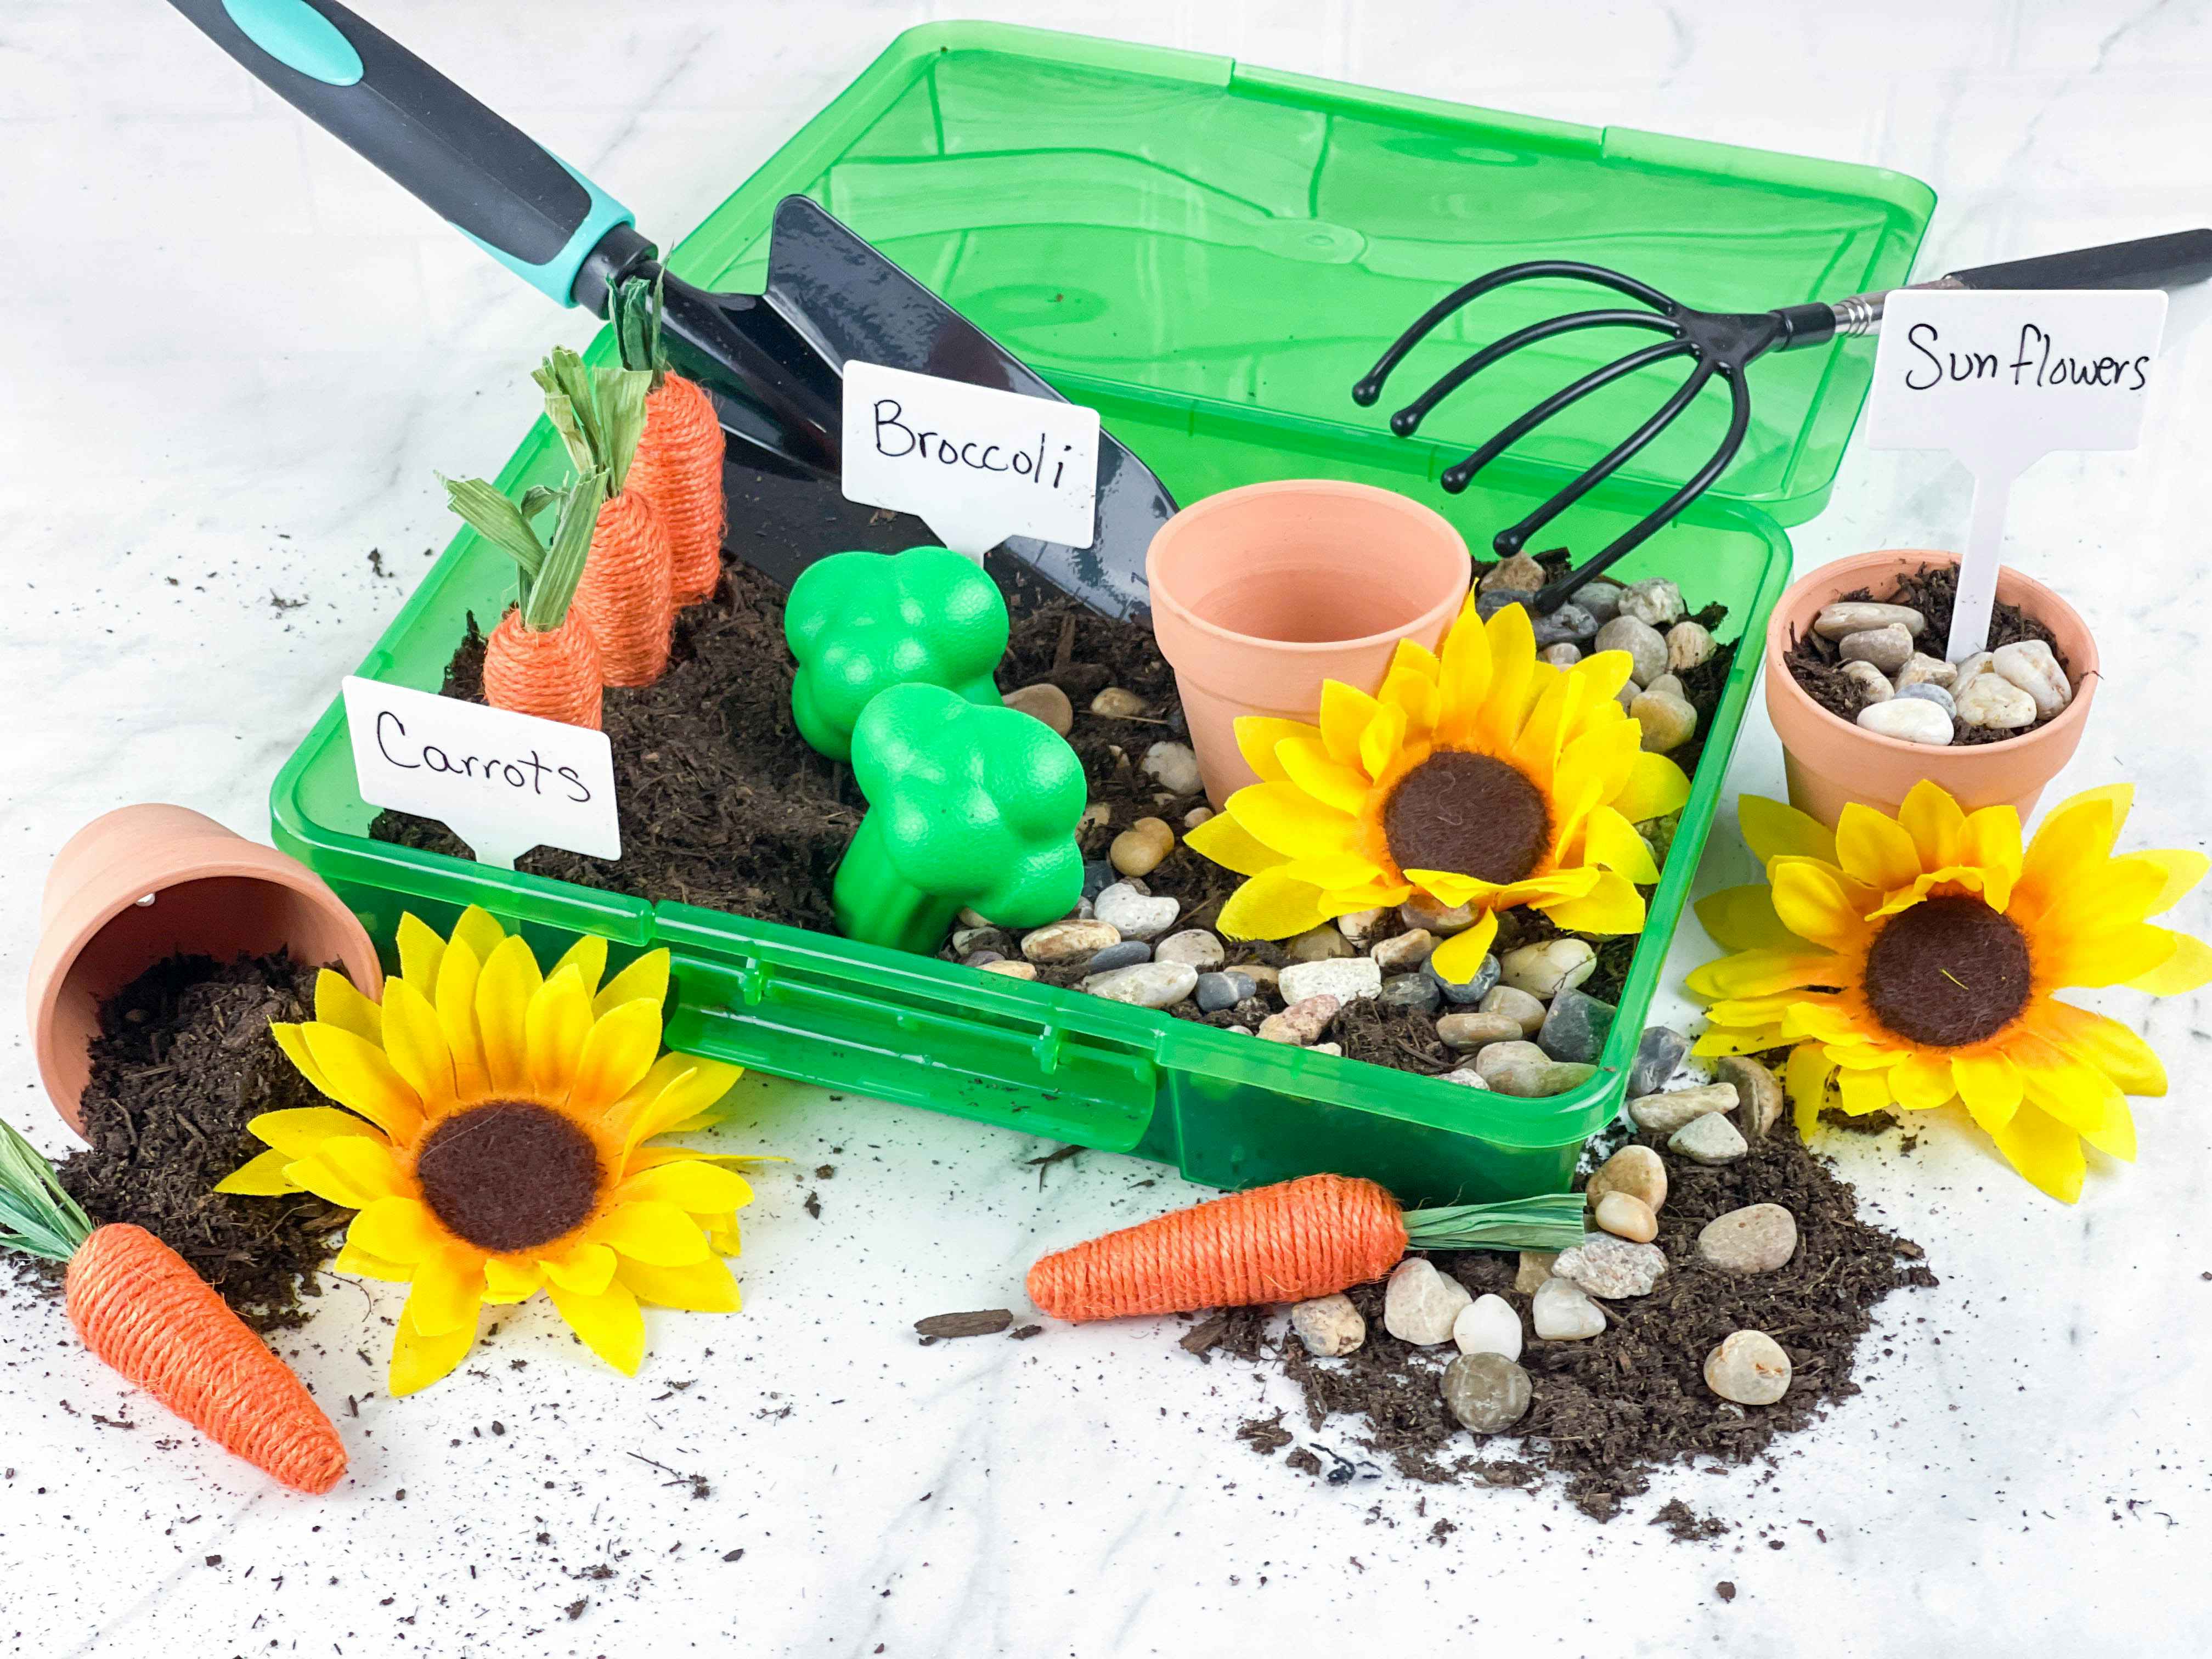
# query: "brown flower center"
[1471,814]
[1948,972]
[509,1175]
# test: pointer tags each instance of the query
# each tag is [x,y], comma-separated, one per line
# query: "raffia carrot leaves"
[37,1216]
[546,602]
[638,326]
[542,659]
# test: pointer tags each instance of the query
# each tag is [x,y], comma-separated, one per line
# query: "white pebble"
[1144,984]
[1857,616]
[1565,654]
[1920,669]
[1511,1000]
[1135,914]
[1360,925]
[1012,969]
[1711,1140]
[1748,1368]
[1612,1267]
[1405,952]
[1873,685]
[1329,1326]
[1420,1305]
[1689,644]
[1671,684]
[1627,1218]
[1755,1239]
[1887,648]
[2030,665]
[1655,601]
[1194,946]
[1301,1022]
[1175,766]
[1667,722]
[1993,702]
[1466,1077]
[1664,1113]
[1973,663]
[1909,720]
[1647,651]
[1069,941]
[1562,1312]
[1345,978]
[1488,1325]
[1117,702]
[1544,971]
[1513,1068]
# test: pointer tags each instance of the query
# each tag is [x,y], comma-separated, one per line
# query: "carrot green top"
[37,1216]
[637,326]
[598,412]
[547,576]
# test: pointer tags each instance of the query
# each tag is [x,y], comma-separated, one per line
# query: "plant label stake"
[974,463]
[504,782]
[2001,378]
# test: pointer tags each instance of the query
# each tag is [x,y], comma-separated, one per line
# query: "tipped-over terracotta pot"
[1832,762]
[146,882]
[1260,593]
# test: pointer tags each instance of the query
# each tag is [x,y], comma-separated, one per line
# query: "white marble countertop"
[237,356]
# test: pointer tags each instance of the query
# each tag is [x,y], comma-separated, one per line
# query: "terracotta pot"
[1832,762]
[146,882]
[1260,593]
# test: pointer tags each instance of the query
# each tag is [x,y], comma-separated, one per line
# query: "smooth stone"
[1511,1000]
[1561,1311]
[1098,874]
[1175,766]
[1480,984]
[1758,1091]
[1126,954]
[1138,850]
[1487,1392]
[1012,969]
[1361,925]
[1655,601]
[1565,654]
[1920,669]
[1262,976]
[1544,971]
[1887,648]
[1319,944]
[1047,702]
[1534,1267]
[1756,1239]
[1513,1068]
[1117,702]
[1488,1325]
[1600,597]
[965,939]
[1689,644]
[1848,616]
[1487,605]
[1659,1054]
[1422,911]
[1711,1140]
[1329,1326]
[1992,701]
[1570,624]
[1873,685]
[1194,946]
[1347,978]
[1611,1268]
[1749,1369]
[1096,816]
[1928,691]
[985,959]
[1973,663]
[1575,1027]
[1326,1049]
[1560,1076]
[2029,664]
[1147,985]
[1196,816]
[1420,1304]
[1301,1022]
[1646,648]
[1217,992]
[1667,722]
[1466,1077]
[1134,915]
[1909,720]
[1664,1113]
[1069,941]
[968,918]
[1405,952]
[1671,684]
[1627,1218]
[1518,575]
[1477,1030]
[1415,993]
[1634,1171]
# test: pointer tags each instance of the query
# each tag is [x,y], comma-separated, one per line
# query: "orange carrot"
[140,1308]
[679,454]
[542,659]
[626,591]
[1308,1238]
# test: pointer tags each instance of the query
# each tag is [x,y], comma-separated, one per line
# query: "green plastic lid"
[1135,216]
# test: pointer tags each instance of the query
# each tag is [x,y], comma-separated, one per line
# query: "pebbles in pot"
[1194,946]
[1887,648]
[1849,616]
[1646,649]
[1910,720]
[2029,664]
[1510,999]
[1345,978]
[1545,969]
[1574,1027]
[1994,702]
[1667,722]
[1869,681]
[1218,991]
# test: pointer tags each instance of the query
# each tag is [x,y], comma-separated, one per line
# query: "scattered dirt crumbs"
[1608,1411]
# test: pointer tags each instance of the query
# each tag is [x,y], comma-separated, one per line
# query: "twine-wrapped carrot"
[625,592]
[139,1307]
[678,466]
[543,657]
[1308,1238]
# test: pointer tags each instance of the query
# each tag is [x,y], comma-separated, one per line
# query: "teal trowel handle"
[521,204]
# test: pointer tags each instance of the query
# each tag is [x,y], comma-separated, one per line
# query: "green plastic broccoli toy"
[966,806]
[860,623]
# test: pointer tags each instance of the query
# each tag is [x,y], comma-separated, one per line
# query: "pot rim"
[1779,623]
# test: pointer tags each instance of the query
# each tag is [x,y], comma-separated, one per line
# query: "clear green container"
[1211,255]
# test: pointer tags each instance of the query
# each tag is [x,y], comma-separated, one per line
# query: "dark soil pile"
[183,1061]
[1932,590]
[1608,1411]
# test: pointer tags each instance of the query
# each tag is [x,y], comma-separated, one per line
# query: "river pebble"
[1659,1053]
[1069,941]
[1518,573]
[1611,1268]
[1319,944]
[1909,720]
[1420,1304]
[1194,946]
[1138,850]
[1126,954]
[1329,1326]
[1711,1140]
[1117,702]
[1479,985]
[1749,1369]
[1510,999]
[1994,703]
[1667,722]
[1415,993]
[1147,985]
[1756,1239]
[1871,682]
[1488,1325]
[1646,648]
[1404,952]
[1477,1030]
[1012,969]
[1634,1171]
[1216,992]
[1655,601]
[1562,1311]
[1926,692]
[1486,1392]
[1848,616]
[1175,766]
[1442,919]
[1513,1068]
[1301,1022]
[1664,1113]
[1047,702]
[1544,971]
[1887,648]
[1627,1218]
[1920,669]
[1134,914]
[1346,979]
[1758,1091]
[1574,1027]
[1688,645]
[2029,664]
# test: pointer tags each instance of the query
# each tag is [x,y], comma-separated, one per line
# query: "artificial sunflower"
[494,1142]
[1912,962]
[1478,776]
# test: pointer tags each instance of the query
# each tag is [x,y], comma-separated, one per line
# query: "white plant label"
[502,783]
[2000,379]
[974,463]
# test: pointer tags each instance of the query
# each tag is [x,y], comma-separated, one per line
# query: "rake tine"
[1407,420]
[1370,387]
[1512,540]
[1454,477]
[1560,592]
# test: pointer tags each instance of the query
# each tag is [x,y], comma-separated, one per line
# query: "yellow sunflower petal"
[646,979]
[1756,973]
[1603,758]
[1411,656]
[617,1055]
[2185,968]
[338,1003]
[1513,677]
[1613,906]
[1413,693]
[2074,837]
[1612,841]
[1774,828]
[1233,847]
[2137,955]
[651,1230]
[555,1025]
[1815,905]
[261,1176]
[1308,765]
[1743,919]
[706,1286]
[1827,1020]
[675,1087]
[1334,871]
[2118,892]
[1934,821]
[292,1039]
[1346,713]
[420,950]
[458,970]
[479,932]
[449,1287]
[1991,1086]
[415,1043]
[362,1078]
[1602,674]
[1861,1091]
[588,956]
[2183,870]
[1719,1040]
[1805,1078]
[300,1130]
[1991,841]
[2077,1093]
[1922,1082]
[1874,847]
[400,1229]
[1270,905]
[508,1281]
[417,1360]
[358,1263]
[510,978]
[1379,744]
[2044,1150]
[1464,670]
[586,1270]
[1367,896]
[690,1185]
[1656,787]
[1459,958]
[610,1323]
[1449,889]
[1257,737]
[2116,1136]
[2105,1043]
[352,1171]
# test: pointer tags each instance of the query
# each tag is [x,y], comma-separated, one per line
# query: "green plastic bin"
[1211,255]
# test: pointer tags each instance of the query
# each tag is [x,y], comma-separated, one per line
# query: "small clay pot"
[1260,593]
[1832,762]
[146,882]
